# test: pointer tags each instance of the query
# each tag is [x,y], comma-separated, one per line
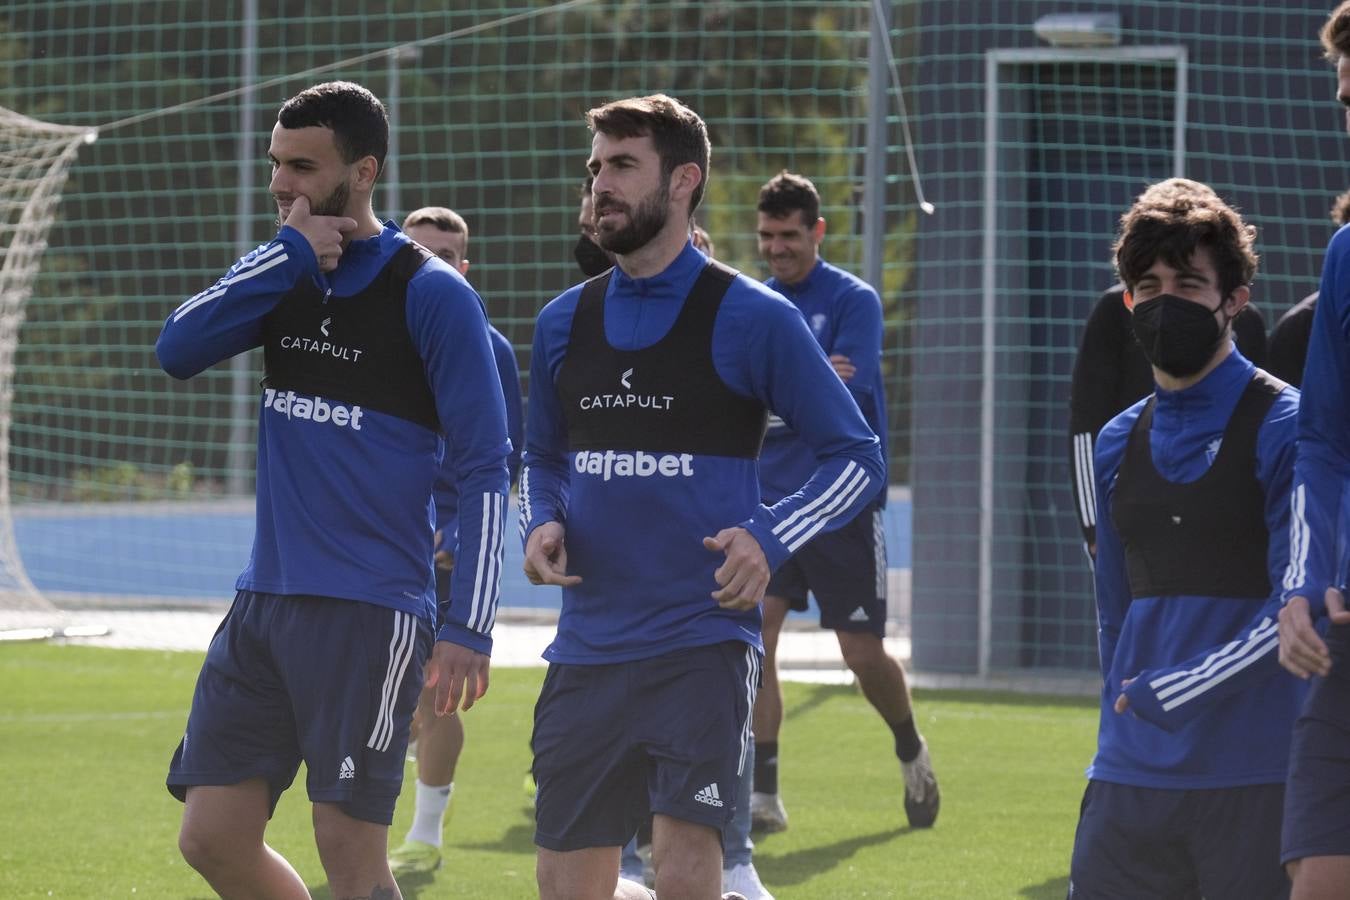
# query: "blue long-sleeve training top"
[844,314]
[1318,532]
[633,532]
[344,491]
[1209,705]
[446,491]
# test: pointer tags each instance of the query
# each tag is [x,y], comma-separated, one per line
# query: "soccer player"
[1316,841]
[590,256]
[739,874]
[648,397]
[844,570]
[1186,786]
[1289,339]
[377,361]
[440,739]
[1110,373]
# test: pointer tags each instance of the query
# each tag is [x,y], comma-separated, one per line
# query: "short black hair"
[786,193]
[677,133]
[358,119]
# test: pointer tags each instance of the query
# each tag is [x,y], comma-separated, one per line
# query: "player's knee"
[680,881]
[206,851]
[863,653]
[348,847]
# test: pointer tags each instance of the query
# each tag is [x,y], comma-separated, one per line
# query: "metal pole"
[242,394]
[392,207]
[397,58]
[988,380]
[874,160]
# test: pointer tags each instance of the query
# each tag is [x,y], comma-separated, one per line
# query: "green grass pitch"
[87,734]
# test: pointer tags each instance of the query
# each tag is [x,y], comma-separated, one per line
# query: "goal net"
[131,489]
[35,158]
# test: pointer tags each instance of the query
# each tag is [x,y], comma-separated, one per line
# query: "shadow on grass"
[410,886]
[518,838]
[1054,889]
[802,865]
[817,695]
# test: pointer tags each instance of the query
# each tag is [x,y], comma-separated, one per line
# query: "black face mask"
[590,257]
[1178,336]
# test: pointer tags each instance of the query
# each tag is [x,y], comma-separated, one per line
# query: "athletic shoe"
[744,881]
[415,858]
[767,814]
[732,895]
[921,789]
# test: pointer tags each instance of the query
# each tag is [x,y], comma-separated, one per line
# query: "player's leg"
[1316,830]
[738,865]
[1320,878]
[237,756]
[1235,842]
[846,571]
[591,777]
[440,742]
[591,873]
[354,694]
[630,862]
[786,590]
[688,859]
[882,680]
[353,853]
[222,838]
[698,707]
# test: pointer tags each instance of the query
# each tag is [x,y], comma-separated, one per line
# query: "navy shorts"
[845,571]
[289,678]
[1178,844]
[615,743]
[1317,805]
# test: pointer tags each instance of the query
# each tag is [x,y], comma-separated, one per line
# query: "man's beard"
[335,204]
[644,223]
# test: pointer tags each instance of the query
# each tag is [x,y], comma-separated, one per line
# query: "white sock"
[429,813]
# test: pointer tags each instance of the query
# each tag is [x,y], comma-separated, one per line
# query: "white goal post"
[35,159]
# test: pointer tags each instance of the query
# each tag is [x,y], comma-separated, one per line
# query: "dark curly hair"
[1335,33]
[1173,219]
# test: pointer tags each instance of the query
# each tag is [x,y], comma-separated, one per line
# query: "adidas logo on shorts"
[347,769]
[709,796]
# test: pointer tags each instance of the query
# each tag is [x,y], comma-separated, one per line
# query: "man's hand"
[324,233]
[456,673]
[546,557]
[1302,650]
[843,366]
[1123,702]
[444,559]
[745,574]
